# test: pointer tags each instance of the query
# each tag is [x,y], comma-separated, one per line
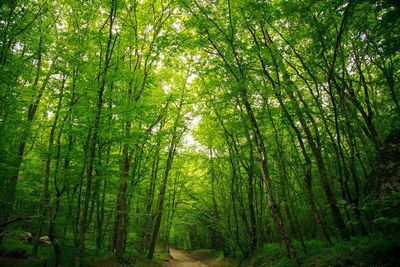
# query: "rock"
[27,236]
[45,239]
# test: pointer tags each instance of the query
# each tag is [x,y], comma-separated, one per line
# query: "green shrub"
[370,250]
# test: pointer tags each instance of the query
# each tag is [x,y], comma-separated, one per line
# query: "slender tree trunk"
[149,199]
[45,207]
[217,237]
[100,206]
[250,194]
[6,207]
[160,205]
[121,215]
[170,220]
[54,212]
[83,217]
[271,201]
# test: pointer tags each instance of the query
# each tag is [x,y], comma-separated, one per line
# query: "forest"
[199,133]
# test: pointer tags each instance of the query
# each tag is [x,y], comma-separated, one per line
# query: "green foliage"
[227,125]
[371,250]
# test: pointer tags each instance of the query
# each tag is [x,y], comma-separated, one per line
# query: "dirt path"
[180,258]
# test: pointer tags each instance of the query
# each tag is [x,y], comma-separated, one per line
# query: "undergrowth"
[370,250]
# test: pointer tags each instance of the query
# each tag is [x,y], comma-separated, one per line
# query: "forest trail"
[181,258]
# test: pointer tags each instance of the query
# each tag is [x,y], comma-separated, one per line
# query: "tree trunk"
[121,215]
[83,215]
[6,207]
[46,195]
[263,162]
[160,205]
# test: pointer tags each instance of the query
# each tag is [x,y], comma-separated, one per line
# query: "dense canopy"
[265,130]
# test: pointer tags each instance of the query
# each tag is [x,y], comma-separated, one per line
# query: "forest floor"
[181,258]
[378,249]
